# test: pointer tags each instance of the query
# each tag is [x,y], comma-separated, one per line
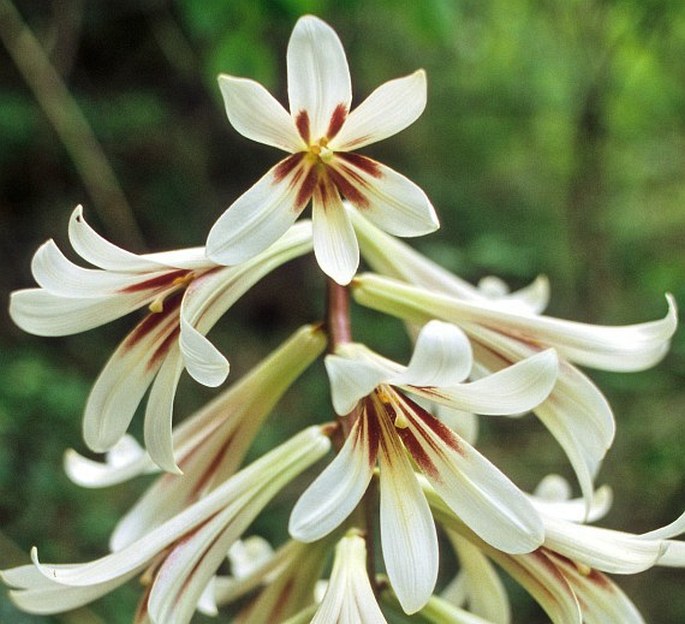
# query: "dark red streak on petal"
[302,123]
[156,282]
[337,119]
[440,429]
[306,188]
[163,349]
[154,320]
[361,162]
[286,166]
[369,426]
[351,192]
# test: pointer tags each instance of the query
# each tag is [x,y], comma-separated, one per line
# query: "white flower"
[319,133]
[210,445]
[566,575]
[388,424]
[182,554]
[508,328]
[185,294]
[349,598]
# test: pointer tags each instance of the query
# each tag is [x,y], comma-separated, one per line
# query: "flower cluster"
[404,464]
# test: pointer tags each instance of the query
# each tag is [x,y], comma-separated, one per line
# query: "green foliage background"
[553,142]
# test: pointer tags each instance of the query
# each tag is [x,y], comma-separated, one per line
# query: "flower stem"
[337,314]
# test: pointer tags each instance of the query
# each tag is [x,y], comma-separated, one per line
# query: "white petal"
[254,112]
[42,313]
[318,75]
[58,275]
[349,598]
[336,491]
[265,476]
[604,549]
[408,536]
[389,109]
[386,198]
[159,412]
[204,362]
[257,218]
[125,460]
[122,383]
[601,599]
[616,348]
[675,528]
[511,391]
[485,592]
[482,496]
[674,557]
[335,243]
[439,611]
[442,357]
[97,250]
[351,378]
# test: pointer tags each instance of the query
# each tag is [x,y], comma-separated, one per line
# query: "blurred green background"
[553,142]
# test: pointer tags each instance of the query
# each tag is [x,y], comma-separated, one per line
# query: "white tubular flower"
[182,554]
[566,575]
[186,295]
[210,445]
[576,412]
[389,424]
[349,598]
[319,133]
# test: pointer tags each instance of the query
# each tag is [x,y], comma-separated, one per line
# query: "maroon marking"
[302,123]
[337,120]
[439,428]
[371,428]
[153,320]
[163,349]
[542,556]
[306,188]
[351,192]
[361,162]
[285,167]
[419,454]
[156,282]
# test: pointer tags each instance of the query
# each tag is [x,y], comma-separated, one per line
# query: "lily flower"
[566,575]
[510,328]
[185,294]
[349,598]
[319,134]
[179,557]
[210,445]
[389,427]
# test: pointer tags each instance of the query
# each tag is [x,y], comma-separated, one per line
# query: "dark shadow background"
[553,142]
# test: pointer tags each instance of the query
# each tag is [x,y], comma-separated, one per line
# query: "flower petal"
[318,76]
[257,115]
[442,357]
[349,598]
[386,198]
[203,361]
[334,494]
[42,313]
[260,216]
[511,391]
[480,494]
[408,536]
[389,109]
[159,412]
[616,348]
[335,243]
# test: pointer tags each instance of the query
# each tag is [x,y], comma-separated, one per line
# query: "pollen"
[157,304]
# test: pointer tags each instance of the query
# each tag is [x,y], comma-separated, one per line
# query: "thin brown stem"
[70,124]
[337,315]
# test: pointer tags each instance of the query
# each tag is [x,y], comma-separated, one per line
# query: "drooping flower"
[185,294]
[389,427]
[319,133]
[566,575]
[210,445]
[508,328]
[178,558]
